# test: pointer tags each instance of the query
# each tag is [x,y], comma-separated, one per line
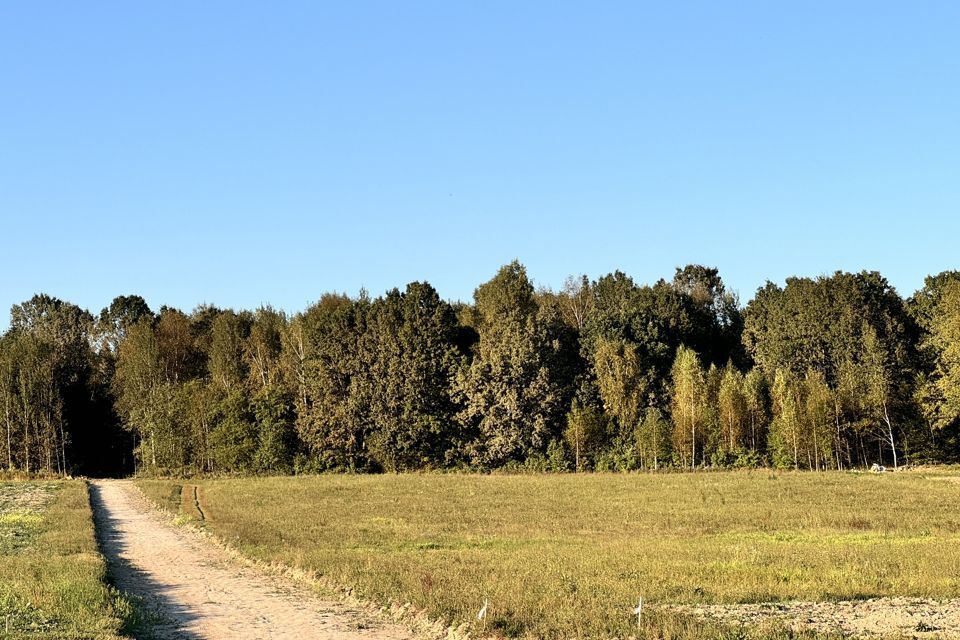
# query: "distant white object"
[639,610]
[483,610]
[878,468]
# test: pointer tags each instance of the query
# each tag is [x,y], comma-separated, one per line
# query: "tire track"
[196,502]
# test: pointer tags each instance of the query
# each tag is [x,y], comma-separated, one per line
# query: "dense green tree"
[264,347]
[410,355]
[139,371]
[180,356]
[786,427]
[653,439]
[850,328]
[576,301]
[713,449]
[294,349]
[36,438]
[939,311]
[276,435]
[694,310]
[76,411]
[718,321]
[801,431]
[201,405]
[226,363]
[233,440]
[115,319]
[333,420]
[756,396]
[817,418]
[587,432]
[924,306]
[879,377]
[511,398]
[946,335]
[623,383]
[9,364]
[139,367]
[62,325]
[165,444]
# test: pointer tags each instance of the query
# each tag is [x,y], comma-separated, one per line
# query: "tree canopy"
[830,372]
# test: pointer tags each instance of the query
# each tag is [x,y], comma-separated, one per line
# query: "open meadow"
[52,578]
[560,556]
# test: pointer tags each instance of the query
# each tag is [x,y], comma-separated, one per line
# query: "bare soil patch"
[875,617]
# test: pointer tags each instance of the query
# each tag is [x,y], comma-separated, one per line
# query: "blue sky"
[241,153]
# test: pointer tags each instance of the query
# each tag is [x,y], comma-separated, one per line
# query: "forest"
[832,372]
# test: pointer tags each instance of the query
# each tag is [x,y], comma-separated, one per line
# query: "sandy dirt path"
[197,591]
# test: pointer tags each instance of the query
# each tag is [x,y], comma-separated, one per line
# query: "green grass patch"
[52,578]
[21,508]
[167,495]
[561,556]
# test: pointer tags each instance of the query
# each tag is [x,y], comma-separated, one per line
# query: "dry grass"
[568,555]
[52,578]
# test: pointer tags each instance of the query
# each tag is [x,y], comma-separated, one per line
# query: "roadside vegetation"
[561,556]
[52,578]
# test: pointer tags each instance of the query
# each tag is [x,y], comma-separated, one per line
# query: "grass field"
[562,556]
[51,574]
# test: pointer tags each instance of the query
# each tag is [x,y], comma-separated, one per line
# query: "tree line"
[831,372]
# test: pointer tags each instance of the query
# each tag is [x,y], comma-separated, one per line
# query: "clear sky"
[241,153]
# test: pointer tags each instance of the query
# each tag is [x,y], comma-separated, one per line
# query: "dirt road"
[198,591]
